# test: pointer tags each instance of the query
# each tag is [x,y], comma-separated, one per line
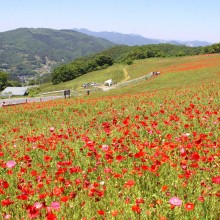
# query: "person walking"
[3,104]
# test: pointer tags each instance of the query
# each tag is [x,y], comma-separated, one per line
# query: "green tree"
[3,80]
[129,62]
[102,60]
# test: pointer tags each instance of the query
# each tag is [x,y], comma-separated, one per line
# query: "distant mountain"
[133,39]
[29,51]
[196,43]
[175,42]
[118,38]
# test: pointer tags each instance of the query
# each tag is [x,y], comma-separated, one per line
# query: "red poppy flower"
[114,213]
[101,212]
[4,184]
[34,173]
[129,183]
[139,201]
[22,197]
[33,212]
[64,198]
[195,156]
[51,216]
[136,208]
[201,198]
[6,202]
[189,206]
[47,158]
[2,191]
[57,191]
[42,196]
[164,188]
[216,180]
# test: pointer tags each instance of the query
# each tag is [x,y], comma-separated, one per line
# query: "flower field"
[153,155]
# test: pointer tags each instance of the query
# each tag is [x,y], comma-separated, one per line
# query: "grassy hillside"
[114,72]
[179,72]
[118,54]
[175,72]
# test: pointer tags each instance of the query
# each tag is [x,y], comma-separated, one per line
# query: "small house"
[15,91]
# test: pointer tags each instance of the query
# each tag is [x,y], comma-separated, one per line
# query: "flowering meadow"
[153,155]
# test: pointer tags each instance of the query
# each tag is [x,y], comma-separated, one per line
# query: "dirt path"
[126,78]
[126,75]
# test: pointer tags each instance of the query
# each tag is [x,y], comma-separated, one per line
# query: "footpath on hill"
[126,81]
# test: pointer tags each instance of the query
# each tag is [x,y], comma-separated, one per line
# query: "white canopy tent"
[108,82]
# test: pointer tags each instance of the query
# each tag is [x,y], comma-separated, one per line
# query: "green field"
[147,151]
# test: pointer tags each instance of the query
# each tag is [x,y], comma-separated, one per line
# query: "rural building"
[12,91]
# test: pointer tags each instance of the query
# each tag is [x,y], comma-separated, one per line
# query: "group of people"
[67,93]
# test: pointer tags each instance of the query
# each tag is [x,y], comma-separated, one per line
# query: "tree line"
[79,67]
[4,81]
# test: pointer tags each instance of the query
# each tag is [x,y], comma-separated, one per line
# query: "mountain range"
[134,39]
[27,52]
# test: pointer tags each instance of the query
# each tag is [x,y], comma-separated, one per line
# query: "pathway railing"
[145,77]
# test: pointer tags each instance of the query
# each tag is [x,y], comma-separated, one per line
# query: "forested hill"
[126,55]
[117,54]
[29,51]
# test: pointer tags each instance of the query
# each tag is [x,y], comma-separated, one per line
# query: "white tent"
[14,91]
[108,82]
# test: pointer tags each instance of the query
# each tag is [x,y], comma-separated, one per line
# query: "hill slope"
[28,51]
[176,72]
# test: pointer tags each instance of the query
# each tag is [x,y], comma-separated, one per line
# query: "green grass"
[198,69]
[114,72]
[171,79]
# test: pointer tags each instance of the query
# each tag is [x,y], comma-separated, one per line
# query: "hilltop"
[29,51]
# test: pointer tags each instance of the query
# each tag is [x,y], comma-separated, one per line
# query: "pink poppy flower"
[10,164]
[175,201]
[7,216]
[52,129]
[55,205]
[38,205]
[105,147]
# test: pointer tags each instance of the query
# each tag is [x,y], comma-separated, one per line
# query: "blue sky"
[161,19]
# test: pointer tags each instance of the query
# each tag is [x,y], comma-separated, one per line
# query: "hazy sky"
[161,19]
